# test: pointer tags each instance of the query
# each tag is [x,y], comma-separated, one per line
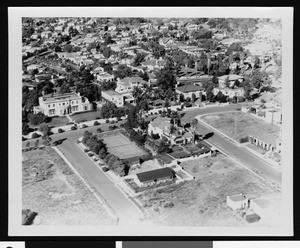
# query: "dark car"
[105,169]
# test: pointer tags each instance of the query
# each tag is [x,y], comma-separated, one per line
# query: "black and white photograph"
[151,121]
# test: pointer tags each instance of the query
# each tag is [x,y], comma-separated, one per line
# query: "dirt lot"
[202,202]
[245,124]
[51,189]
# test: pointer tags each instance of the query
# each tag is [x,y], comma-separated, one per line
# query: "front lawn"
[58,121]
[86,116]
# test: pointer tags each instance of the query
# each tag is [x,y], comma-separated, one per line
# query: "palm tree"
[194,124]
[175,117]
[136,93]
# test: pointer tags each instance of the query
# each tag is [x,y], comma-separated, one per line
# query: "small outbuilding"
[238,201]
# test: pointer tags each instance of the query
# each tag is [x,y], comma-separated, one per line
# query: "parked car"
[90,154]
[86,150]
[105,169]
[78,141]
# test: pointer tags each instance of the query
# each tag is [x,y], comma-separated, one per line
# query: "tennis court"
[122,147]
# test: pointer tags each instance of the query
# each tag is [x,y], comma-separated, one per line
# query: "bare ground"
[56,193]
[202,202]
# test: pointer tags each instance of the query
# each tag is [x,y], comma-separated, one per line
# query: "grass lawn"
[50,188]
[202,202]
[245,125]
[58,121]
[87,116]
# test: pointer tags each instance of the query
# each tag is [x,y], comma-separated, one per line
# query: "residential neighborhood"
[152,121]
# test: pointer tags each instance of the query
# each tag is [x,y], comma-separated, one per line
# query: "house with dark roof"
[153,177]
[189,89]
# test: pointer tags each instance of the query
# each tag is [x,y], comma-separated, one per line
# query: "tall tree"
[194,125]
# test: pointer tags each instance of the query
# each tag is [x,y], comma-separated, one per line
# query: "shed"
[154,176]
[238,201]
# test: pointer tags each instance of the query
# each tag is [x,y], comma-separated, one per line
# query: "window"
[51,111]
[63,103]
[53,105]
[48,105]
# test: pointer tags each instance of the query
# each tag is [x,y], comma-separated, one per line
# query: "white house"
[62,104]
[126,85]
[114,97]
[104,77]
[229,92]
[238,201]
[230,78]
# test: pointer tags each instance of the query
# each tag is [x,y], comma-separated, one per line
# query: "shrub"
[244,139]
[168,205]
[60,130]
[96,123]
[97,118]
[35,135]
[84,126]
[112,122]
[107,121]
[111,128]
[122,125]
[99,130]
[73,128]
[23,138]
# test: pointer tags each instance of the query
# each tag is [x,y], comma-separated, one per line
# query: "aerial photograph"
[151,122]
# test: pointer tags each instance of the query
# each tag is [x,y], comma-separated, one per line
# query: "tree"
[68,48]
[25,128]
[45,129]
[193,97]
[136,93]
[57,49]
[36,119]
[138,59]
[166,78]
[194,125]
[37,143]
[123,71]
[181,97]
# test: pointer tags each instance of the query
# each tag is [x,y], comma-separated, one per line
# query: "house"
[126,84]
[189,89]
[46,34]
[238,201]
[153,177]
[165,41]
[229,79]
[263,207]
[62,104]
[114,97]
[104,77]
[160,126]
[229,92]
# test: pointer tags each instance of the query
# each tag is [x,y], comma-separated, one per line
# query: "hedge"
[35,135]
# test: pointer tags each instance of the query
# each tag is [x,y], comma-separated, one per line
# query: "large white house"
[113,96]
[62,104]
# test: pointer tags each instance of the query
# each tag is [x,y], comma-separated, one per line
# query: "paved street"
[245,157]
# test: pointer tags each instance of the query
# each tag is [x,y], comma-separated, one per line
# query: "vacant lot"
[238,124]
[202,202]
[122,147]
[51,189]
[87,116]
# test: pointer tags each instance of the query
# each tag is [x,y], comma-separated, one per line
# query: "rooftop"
[111,93]
[189,88]
[155,174]
[236,198]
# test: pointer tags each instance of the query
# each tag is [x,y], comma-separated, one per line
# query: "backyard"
[238,125]
[202,202]
[59,197]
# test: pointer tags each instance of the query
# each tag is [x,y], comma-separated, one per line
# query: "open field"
[202,202]
[87,116]
[245,125]
[51,189]
[122,147]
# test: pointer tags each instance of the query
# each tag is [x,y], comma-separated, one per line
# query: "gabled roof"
[161,123]
[155,174]
[189,88]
